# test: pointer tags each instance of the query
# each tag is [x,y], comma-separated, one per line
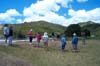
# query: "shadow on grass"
[14,45]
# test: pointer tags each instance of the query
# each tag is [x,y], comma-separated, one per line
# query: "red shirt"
[38,36]
[30,34]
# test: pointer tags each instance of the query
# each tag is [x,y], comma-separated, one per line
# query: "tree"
[73,28]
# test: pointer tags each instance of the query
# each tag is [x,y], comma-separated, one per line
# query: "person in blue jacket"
[63,42]
[74,41]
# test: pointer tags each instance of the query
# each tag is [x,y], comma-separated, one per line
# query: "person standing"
[45,39]
[38,36]
[63,42]
[58,35]
[83,34]
[74,41]
[10,36]
[30,36]
[53,36]
[6,32]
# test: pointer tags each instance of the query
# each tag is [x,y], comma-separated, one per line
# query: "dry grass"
[88,56]
[8,60]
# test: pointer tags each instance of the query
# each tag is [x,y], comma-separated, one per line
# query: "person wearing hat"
[63,42]
[6,32]
[30,35]
[74,41]
[45,39]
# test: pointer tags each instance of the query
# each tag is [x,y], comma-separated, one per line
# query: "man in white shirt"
[6,31]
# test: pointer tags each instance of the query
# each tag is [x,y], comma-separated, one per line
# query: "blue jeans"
[74,46]
[10,40]
[6,37]
[63,46]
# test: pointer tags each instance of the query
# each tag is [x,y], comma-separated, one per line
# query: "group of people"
[38,36]
[74,42]
[8,33]
[45,39]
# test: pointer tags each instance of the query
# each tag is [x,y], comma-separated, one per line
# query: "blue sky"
[63,12]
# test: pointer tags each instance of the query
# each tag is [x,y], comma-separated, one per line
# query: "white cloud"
[64,3]
[83,15]
[82,0]
[44,6]
[12,12]
[9,15]
[45,10]
[50,17]
[41,7]
[19,21]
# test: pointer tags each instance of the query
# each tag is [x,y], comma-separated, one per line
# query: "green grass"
[88,56]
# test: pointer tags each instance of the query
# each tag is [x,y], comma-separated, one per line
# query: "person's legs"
[30,40]
[84,42]
[46,44]
[38,41]
[6,37]
[10,40]
[63,47]
[74,46]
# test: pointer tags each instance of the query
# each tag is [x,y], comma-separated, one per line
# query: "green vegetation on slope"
[21,30]
[40,26]
[94,28]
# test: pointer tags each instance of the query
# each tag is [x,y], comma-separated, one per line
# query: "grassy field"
[24,55]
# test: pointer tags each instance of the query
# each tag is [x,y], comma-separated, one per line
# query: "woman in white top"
[45,39]
[6,32]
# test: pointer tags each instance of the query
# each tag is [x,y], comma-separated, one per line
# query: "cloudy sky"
[63,12]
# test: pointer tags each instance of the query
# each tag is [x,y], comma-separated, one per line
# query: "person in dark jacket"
[63,42]
[74,41]
[10,36]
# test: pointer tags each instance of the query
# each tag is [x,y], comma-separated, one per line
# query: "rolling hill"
[93,27]
[40,26]
[43,26]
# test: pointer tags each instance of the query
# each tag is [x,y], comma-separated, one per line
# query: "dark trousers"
[6,37]
[30,39]
[63,46]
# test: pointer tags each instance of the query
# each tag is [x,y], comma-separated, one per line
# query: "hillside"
[93,27]
[82,24]
[40,26]
[90,25]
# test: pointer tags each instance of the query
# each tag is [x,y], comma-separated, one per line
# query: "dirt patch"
[6,60]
